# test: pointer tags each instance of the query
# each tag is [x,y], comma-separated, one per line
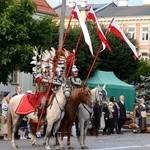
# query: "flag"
[76,14]
[114,28]
[91,15]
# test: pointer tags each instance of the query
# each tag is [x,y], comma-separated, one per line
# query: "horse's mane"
[75,93]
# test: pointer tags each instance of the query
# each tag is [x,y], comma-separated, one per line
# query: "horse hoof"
[83,147]
[47,147]
[70,147]
[86,147]
[15,147]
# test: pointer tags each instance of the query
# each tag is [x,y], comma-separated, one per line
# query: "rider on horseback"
[59,78]
[42,83]
[75,80]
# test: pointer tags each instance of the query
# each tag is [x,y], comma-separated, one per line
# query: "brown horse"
[79,95]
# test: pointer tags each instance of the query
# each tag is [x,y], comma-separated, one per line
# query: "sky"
[54,3]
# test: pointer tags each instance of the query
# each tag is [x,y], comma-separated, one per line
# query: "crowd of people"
[115,116]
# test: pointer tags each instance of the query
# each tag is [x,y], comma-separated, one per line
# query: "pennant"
[91,15]
[76,14]
[114,28]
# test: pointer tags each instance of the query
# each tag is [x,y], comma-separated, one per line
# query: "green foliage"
[19,34]
[120,61]
[143,69]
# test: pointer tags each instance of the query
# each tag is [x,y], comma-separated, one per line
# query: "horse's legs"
[15,127]
[82,134]
[84,137]
[33,127]
[47,135]
[68,139]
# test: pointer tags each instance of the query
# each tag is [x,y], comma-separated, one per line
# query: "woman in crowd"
[5,103]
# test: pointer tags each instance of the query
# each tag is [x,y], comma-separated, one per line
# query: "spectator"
[142,117]
[136,115]
[115,113]
[106,129]
[18,90]
[122,114]
[5,102]
[96,118]
[23,127]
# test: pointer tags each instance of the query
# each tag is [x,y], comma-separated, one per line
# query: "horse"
[58,103]
[55,112]
[78,95]
[84,115]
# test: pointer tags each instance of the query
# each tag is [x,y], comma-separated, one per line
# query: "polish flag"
[114,28]
[76,14]
[91,15]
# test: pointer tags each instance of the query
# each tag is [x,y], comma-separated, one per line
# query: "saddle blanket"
[25,106]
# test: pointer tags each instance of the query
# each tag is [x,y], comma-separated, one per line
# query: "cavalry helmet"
[74,68]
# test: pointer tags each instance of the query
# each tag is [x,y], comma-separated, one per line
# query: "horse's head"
[67,88]
[86,96]
[97,95]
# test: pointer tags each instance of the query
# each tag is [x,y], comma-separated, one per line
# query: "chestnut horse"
[79,95]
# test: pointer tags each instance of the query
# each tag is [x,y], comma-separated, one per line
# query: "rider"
[58,78]
[75,80]
[42,83]
[76,83]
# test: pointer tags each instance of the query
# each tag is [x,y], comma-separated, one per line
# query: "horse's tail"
[9,124]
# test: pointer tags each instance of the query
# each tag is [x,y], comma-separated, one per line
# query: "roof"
[124,11]
[94,6]
[109,79]
[43,7]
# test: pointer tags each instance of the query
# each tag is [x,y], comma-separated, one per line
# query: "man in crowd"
[122,113]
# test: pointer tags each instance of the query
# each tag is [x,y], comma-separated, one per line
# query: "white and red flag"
[114,28]
[91,15]
[76,14]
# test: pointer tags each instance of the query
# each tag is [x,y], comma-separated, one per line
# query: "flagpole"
[76,48]
[98,52]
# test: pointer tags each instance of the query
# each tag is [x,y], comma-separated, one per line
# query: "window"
[14,77]
[144,33]
[131,32]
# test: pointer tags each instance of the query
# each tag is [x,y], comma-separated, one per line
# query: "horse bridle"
[68,89]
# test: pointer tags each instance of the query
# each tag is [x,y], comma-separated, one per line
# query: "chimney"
[83,3]
[71,4]
[122,3]
[146,2]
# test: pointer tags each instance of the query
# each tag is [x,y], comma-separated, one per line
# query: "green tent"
[114,86]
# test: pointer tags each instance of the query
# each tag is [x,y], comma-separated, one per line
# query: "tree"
[143,69]
[19,33]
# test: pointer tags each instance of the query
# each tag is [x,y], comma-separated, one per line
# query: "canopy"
[114,86]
